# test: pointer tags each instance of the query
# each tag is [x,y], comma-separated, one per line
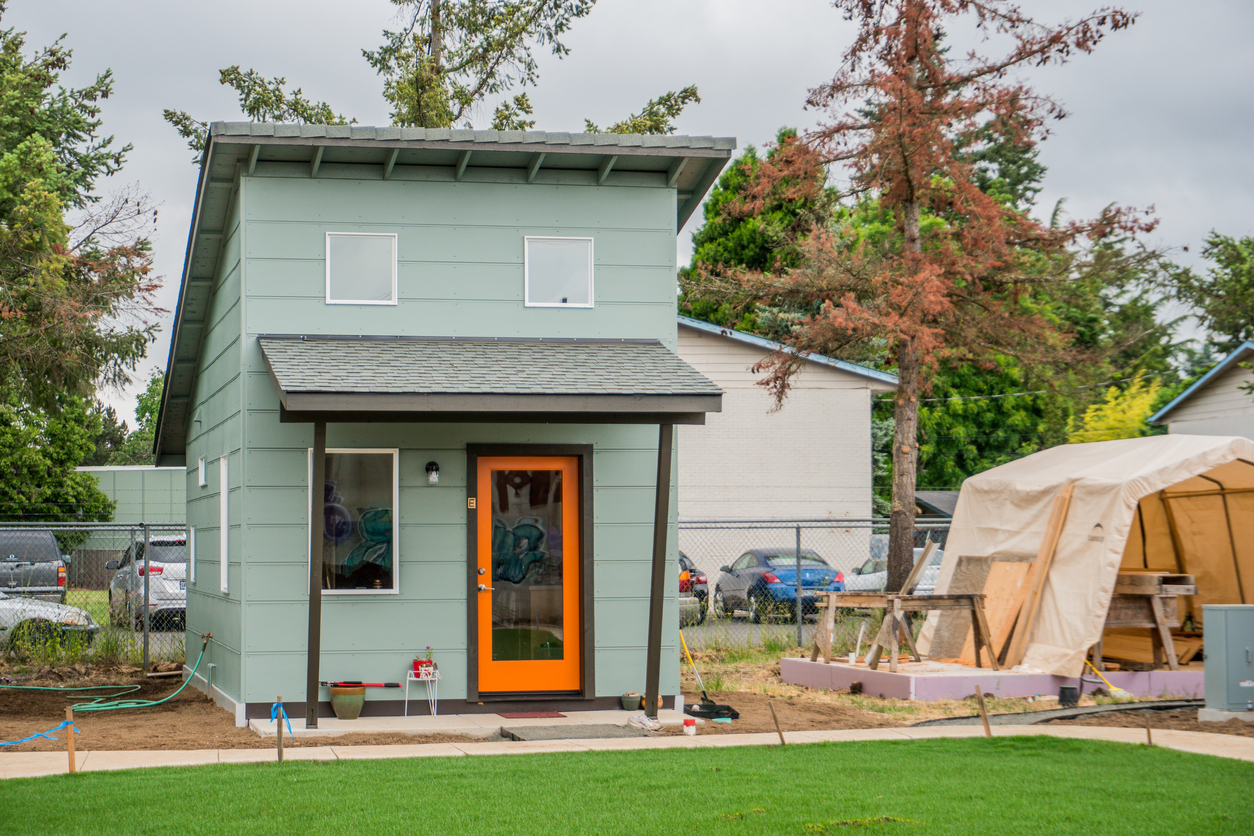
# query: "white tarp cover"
[1208,483]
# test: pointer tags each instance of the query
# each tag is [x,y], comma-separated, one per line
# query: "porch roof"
[440,379]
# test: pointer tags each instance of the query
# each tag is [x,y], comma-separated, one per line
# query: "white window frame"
[389,235]
[527,239]
[396,517]
[202,478]
[191,555]
[224,525]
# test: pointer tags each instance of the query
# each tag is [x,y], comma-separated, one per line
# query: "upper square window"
[361,268]
[558,272]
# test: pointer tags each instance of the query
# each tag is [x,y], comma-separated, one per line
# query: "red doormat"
[528,715]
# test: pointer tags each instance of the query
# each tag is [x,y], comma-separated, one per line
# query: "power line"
[1037,391]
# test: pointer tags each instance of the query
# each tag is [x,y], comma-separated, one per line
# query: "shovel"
[707,709]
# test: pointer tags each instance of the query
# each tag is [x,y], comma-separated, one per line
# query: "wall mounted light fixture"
[433,473]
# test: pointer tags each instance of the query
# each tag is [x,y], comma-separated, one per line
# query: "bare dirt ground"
[189,721]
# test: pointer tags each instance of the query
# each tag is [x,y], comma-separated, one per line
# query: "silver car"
[32,620]
[167,592]
[872,576]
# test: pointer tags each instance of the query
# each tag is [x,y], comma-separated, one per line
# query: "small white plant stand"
[431,678]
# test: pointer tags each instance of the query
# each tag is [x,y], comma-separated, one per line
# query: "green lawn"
[1030,785]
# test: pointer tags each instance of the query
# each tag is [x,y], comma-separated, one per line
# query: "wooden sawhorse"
[894,628]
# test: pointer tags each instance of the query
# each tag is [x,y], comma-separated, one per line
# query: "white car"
[167,594]
[33,620]
[872,576]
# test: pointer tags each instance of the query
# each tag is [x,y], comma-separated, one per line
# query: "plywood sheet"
[953,638]
[1003,581]
[954,626]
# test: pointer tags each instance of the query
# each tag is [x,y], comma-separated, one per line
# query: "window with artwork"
[361,268]
[359,529]
[558,272]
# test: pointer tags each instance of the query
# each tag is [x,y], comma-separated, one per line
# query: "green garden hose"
[109,702]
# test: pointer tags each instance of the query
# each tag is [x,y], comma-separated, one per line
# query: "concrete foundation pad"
[1215,715]
[933,681]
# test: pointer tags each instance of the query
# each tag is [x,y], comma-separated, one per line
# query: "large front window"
[359,529]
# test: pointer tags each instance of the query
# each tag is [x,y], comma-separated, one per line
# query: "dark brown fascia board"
[202,186]
[287,416]
[510,404]
[449,145]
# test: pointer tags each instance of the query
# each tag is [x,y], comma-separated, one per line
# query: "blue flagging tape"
[48,734]
[275,711]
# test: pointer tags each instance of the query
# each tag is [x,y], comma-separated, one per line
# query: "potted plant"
[424,663]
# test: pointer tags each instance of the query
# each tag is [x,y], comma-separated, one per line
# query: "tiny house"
[424,387]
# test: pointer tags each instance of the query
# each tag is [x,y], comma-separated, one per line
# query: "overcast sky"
[1160,113]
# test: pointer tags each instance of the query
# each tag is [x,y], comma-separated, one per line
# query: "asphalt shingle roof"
[480,367]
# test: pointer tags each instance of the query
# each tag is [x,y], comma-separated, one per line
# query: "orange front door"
[528,567]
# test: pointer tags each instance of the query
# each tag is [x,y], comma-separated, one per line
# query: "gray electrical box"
[1229,635]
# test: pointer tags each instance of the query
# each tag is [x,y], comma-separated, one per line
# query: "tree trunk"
[905,465]
[905,435]
[437,36]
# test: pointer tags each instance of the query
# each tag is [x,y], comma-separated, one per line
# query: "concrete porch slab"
[932,681]
[468,725]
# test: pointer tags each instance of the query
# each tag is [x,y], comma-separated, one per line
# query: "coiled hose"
[110,702]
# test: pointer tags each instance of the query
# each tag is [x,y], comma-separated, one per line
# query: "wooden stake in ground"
[278,727]
[979,697]
[771,705]
[1149,736]
[69,739]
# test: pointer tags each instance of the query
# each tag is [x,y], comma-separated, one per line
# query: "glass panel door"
[528,566]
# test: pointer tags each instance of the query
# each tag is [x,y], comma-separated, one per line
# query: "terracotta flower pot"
[347,700]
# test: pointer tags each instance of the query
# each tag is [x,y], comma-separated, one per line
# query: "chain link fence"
[757,571]
[93,592]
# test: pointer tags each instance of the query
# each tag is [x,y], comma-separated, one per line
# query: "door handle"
[485,588]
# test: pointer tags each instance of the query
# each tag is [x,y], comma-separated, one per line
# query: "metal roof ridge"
[771,345]
[369,133]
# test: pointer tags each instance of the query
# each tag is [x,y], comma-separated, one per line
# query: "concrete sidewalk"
[31,764]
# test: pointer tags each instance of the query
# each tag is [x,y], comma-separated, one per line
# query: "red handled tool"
[356,684]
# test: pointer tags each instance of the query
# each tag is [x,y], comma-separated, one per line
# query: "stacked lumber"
[1129,646]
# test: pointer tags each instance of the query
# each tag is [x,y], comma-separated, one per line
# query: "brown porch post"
[658,588]
[314,645]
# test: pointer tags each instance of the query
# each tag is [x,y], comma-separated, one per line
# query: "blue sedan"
[763,582]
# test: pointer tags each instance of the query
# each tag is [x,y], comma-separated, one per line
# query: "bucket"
[1068,696]
[347,700]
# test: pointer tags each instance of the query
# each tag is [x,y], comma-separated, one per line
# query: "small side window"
[361,268]
[558,272]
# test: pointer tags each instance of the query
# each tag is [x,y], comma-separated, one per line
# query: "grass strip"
[1005,785]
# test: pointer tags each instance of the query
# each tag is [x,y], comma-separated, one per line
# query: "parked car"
[872,576]
[31,565]
[167,594]
[699,586]
[35,620]
[763,582]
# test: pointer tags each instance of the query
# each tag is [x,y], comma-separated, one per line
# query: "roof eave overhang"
[1223,365]
[713,153]
[877,381]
